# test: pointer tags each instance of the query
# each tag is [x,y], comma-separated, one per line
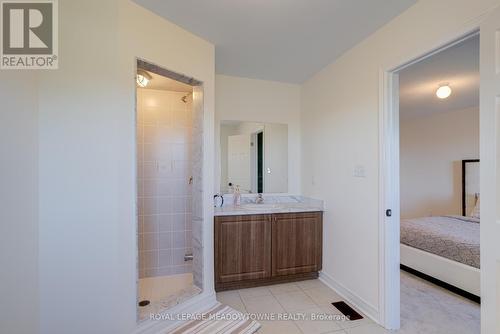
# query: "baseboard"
[356,302]
[442,284]
[196,304]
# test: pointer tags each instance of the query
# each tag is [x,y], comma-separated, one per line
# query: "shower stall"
[169,193]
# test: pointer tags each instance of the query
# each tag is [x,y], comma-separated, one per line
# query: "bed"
[446,248]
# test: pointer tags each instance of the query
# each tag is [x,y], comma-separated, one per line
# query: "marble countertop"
[272,204]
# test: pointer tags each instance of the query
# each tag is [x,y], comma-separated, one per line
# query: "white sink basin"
[259,207]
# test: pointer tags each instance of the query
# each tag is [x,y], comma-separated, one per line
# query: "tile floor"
[425,308]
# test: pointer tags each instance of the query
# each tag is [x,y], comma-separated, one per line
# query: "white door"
[238,161]
[490,168]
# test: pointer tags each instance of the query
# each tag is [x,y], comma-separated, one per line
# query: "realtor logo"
[29,34]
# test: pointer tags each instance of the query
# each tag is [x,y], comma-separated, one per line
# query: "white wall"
[340,118]
[18,202]
[242,99]
[432,149]
[87,169]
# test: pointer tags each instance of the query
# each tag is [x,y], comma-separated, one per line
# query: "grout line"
[242,303]
[272,295]
[289,283]
[283,307]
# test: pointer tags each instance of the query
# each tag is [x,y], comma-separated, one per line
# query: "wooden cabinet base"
[265,249]
[264,281]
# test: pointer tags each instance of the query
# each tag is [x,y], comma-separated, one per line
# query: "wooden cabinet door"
[242,248]
[297,243]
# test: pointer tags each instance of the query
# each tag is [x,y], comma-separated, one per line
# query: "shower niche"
[169,118]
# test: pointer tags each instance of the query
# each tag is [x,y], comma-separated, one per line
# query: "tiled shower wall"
[165,164]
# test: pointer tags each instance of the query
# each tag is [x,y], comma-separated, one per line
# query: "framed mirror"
[254,156]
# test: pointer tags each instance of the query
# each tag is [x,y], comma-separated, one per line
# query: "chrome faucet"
[259,199]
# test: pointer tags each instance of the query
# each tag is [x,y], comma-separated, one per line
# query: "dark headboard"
[465,175]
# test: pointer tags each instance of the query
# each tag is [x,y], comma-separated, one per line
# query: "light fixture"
[142,78]
[443,91]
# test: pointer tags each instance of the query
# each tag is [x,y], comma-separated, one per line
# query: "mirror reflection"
[254,156]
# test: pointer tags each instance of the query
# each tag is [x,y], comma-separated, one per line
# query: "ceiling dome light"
[143,78]
[443,91]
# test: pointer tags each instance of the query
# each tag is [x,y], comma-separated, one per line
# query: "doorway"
[391,193]
[257,161]
[169,118]
[260,162]
[439,237]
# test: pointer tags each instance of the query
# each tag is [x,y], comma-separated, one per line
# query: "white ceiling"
[163,83]
[280,40]
[458,66]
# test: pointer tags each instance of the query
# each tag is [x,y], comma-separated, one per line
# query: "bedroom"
[439,188]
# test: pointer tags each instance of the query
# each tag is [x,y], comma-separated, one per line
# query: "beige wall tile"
[164,135]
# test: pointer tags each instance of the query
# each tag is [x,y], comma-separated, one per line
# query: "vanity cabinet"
[296,243]
[243,248]
[253,250]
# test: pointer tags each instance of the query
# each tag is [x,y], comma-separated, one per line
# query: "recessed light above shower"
[143,78]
